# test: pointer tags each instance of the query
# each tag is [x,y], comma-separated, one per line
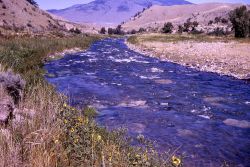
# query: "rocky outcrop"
[11,92]
[6,107]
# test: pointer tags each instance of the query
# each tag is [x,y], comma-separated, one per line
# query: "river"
[205,117]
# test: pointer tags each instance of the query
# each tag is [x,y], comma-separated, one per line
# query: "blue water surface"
[203,115]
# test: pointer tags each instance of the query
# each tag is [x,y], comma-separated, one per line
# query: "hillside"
[156,16]
[109,12]
[19,16]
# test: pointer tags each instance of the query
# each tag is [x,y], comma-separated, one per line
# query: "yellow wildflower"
[86,121]
[76,140]
[56,141]
[80,119]
[65,121]
[176,161]
[72,130]
[137,156]
[65,105]
[98,138]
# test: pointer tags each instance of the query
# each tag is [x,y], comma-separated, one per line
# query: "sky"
[61,4]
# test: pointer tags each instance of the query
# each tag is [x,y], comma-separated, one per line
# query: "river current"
[205,116]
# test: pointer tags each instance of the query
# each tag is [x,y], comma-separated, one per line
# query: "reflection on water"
[203,114]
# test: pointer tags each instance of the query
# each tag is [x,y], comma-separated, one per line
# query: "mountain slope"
[156,16]
[109,11]
[20,15]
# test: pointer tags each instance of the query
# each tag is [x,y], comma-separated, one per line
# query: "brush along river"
[205,115]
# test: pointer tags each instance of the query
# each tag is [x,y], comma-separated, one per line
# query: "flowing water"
[205,115]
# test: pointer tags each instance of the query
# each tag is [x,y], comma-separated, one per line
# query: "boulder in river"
[164,81]
[134,103]
[237,123]
[137,128]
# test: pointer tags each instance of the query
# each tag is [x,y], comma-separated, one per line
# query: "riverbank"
[43,130]
[222,55]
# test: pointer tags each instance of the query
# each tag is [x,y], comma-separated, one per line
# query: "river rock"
[184,132]
[237,123]
[137,128]
[138,103]
[164,81]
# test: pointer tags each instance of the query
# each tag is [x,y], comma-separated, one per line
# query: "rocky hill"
[156,16]
[110,12]
[19,16]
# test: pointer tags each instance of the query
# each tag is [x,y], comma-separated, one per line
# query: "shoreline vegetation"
[45,132]
[223,55]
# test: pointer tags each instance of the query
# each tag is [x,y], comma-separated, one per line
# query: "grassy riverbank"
[51,133]
[224,55]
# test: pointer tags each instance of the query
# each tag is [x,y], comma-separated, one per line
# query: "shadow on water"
[205,115]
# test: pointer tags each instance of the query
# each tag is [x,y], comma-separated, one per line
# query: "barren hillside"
[156,16]
[20,16]
[110,12]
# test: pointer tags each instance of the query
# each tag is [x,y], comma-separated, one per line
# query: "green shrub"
[168,28]
[240,19]
[180,29]
[32,2]
[110,31]
[75,31]
[103,30]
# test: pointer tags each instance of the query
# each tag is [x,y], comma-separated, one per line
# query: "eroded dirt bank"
[221,55]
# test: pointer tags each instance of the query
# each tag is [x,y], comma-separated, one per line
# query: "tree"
[210,22]
[217,20]
[240,19]
[103,30]
[195,24]
[168,28]
[187,26]
[180,29]
[76,31]
[110,31]
[118,30]
[224,21]
[133,31]
[141,30]
[32,2]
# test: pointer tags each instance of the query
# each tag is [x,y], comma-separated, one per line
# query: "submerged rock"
[164,81]
[138,103]
[184,132]
[137,128]
[237,123]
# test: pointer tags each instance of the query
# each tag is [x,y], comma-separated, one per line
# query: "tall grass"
[49,133]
